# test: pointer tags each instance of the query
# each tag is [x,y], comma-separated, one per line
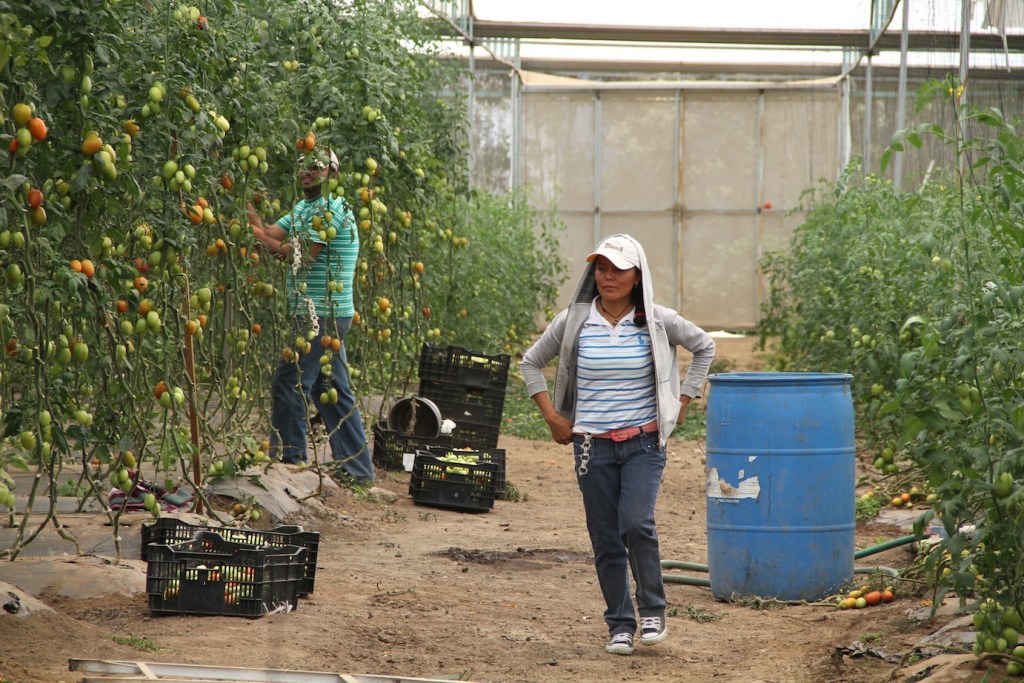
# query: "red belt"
[626,433]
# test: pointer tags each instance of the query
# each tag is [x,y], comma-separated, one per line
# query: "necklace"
[615,318]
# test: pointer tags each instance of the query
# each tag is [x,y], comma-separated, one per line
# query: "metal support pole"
[868,115]
[471,111]
[965,53]
[597,167]
[515,151]
[901,95]
[677,198]
[759,192]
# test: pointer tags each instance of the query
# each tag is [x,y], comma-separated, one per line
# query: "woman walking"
[617,397]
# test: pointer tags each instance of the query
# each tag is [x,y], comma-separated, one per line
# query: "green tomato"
[1003,485]
[13,275]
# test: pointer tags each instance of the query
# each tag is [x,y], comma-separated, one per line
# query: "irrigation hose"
[878,569]
[881,547]
[691,566]
[872,550]
[688,580]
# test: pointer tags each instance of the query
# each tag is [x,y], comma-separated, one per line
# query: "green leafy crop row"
[920,296]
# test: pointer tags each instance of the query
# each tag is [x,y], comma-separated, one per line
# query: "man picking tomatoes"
[319,240]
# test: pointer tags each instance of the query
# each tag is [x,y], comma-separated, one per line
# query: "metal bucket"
[780,484]
[415,416]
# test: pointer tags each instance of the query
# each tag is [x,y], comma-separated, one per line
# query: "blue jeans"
[620,488]
[296,384]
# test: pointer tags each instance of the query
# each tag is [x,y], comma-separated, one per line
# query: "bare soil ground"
[506,595]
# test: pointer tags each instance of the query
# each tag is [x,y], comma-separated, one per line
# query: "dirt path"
[506,595]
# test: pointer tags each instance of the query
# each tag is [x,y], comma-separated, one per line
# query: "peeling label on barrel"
[718,487]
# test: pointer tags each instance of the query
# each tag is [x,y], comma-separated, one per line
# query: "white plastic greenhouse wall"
[708,180]
[708,173]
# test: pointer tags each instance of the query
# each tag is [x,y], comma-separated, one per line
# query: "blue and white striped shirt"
[614,376]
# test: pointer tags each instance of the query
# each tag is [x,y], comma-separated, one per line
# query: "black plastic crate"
[462,404]
[455,365]
[168,531]
[468,435]
[209,575]
[390,448]
[494,455]
[460,486]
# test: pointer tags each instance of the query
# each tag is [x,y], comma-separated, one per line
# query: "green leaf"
[947,412]
[912,426]
[889,407]
[44,41]
[915,140]
[884,161]
[18,462]
[13,182]
[912,320]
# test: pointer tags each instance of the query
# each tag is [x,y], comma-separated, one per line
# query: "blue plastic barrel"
[780,484]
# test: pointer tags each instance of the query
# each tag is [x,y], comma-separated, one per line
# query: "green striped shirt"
[336,261]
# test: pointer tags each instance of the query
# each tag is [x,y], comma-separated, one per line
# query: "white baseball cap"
[620,250]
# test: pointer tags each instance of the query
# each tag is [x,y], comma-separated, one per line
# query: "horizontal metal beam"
[724,71]
[919,40]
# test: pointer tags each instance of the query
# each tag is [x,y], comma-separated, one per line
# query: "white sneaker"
[653,630]
[620,644]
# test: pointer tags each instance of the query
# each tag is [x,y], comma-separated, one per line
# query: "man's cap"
[622,252]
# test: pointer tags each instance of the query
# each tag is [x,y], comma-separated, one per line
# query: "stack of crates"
[210,575]
[468,388]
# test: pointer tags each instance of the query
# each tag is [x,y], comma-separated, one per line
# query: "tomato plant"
[920,296]
[138,313]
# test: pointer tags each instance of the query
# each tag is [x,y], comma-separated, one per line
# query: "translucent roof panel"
[750,36]
[925,15]
[850,14]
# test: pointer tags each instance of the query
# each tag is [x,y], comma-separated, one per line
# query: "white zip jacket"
[667,328]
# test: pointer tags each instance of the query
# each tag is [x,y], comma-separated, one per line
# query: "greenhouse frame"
[703,141]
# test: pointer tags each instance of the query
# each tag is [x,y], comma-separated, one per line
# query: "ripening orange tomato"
[92,144]
[37,127]
[195,214]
